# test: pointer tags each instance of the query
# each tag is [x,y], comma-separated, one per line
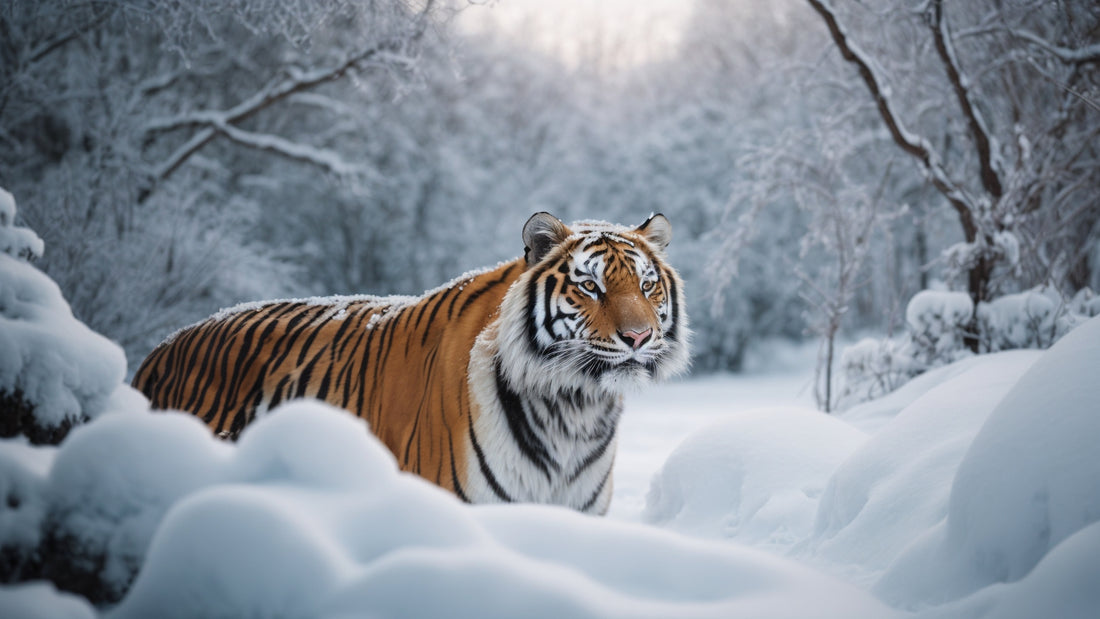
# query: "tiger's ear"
[657,230]
[540,234]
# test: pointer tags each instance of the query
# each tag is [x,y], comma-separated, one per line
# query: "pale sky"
[615,33]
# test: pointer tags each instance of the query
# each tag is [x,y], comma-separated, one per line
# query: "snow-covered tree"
[129,130]
[992,102]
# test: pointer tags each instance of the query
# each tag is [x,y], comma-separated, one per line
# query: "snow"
[1026,483]
[41,600]
[63,369]
[728,480]
[297,532]
[896,484]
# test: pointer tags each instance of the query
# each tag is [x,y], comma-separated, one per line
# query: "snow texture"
[41,600]
[1026,484]
[728,480]
[277,526]
[63,369]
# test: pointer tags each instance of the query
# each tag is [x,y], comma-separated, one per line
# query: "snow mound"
[41,600]
[309,516]
[896,485]
[755,476]
[54,371]
[1026,484]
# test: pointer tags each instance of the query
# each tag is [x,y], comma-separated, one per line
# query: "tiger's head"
[597,307]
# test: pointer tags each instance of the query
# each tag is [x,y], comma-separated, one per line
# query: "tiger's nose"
[635,339]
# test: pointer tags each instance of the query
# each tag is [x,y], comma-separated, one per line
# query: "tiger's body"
[502,386]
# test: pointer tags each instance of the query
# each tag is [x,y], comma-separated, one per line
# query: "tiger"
[504,385]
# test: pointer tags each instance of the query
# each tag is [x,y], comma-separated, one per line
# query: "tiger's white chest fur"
[537,445]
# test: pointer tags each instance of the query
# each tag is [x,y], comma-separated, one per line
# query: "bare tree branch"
[912,144]
[978,128]
[219,122]
[1067,55]
[328,160]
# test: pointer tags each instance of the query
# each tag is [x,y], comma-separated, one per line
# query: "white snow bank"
[896,485]
[1027,483]
[308,516]
[871,416]
[1063,585]
[41,600]
[755,476]
[65,371]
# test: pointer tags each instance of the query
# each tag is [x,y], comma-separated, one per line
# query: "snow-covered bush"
[937,325]
[54,371]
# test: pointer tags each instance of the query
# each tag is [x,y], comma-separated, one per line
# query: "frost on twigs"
[54,371]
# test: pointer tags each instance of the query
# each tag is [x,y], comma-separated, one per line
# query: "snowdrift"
[976,488]
[308,516]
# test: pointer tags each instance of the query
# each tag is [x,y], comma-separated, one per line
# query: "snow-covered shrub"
[872,368]
[23,503]
[54,370]
[1034,318]
[937,324]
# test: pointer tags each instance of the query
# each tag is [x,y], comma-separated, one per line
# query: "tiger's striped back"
[389,360]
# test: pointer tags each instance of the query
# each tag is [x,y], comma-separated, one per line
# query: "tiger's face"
[598,305]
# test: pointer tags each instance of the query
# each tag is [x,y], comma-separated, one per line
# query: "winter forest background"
[909,187]
[821,165]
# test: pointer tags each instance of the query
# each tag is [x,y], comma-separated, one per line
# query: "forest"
[821,164]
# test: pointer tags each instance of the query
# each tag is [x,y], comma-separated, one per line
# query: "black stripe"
[291,333]
[673,308]
[595,495]
[529,444]
[485,470]
[529,300]
[592,457]
[454,474]
[307,374]
[431,317]
[277,392]
[489,286]
[313,333]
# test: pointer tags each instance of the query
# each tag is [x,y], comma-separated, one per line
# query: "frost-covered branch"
[295,81]
[912,144]
[305,153]
[1081,55]
[979,131]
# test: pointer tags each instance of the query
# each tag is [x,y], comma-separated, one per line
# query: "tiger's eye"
[648,286]
[589,285]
